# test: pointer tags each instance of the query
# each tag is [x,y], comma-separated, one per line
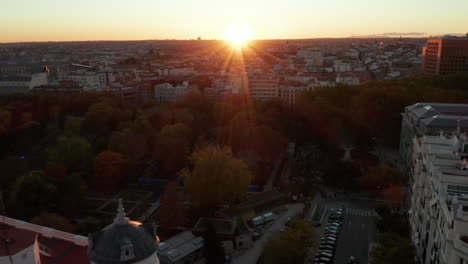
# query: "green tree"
[291,246]
[173,147]
[72,153]
[71,191]
[392,248]
[11,167]
[32,193]
[216,178]
[54,221]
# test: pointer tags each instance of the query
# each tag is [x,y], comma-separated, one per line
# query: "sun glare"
[238,34]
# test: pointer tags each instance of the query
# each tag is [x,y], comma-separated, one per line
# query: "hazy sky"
[55,20]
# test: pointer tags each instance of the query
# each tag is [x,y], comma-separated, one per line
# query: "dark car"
[325,247]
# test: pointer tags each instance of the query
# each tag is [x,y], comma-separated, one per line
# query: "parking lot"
[356,233]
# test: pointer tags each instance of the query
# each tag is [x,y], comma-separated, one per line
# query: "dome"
[123,241]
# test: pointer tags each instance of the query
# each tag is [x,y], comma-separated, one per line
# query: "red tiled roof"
[19,239]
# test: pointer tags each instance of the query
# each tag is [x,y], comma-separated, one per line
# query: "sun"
[238,34]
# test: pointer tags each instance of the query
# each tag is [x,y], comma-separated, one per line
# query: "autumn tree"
[173,147]
[394,196]
[381,175]
[216,178]
[54,221]
[109,168]
[133,139]
[99,122]
[172,211]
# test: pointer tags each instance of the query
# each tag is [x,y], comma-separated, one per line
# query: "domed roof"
[123,241]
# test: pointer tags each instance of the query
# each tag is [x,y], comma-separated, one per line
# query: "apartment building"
[428,119]
[439,198]
[167,93]
[89,80]
[22,84]
[263,87]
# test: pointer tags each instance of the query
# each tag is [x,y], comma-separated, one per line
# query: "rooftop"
[180,245]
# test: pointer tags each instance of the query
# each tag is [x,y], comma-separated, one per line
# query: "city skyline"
[29,21]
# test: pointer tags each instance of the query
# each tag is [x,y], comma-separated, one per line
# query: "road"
[253,254]
[358,231]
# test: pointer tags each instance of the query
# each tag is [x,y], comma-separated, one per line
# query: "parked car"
[330,235]
[326,255]
[328,243]
[325,251]
[329,238]
[334,217]
[325,260]
[332,228]
[325,247]
[332,231]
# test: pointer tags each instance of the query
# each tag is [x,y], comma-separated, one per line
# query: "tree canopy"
[216,178]
[291,246]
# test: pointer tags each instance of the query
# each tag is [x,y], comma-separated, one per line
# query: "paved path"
[252,255]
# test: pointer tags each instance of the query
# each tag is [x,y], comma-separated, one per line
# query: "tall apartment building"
[445,55]
[263,87]
[428,119]
[439,198]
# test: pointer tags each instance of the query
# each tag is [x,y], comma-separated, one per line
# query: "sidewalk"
[252,255]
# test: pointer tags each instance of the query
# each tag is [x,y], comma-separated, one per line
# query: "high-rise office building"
[445,55]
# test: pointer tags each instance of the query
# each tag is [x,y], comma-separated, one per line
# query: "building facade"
[263,87]
[428,119]
[89,80]
[167,93]
[22,84]
[290,94]
[445,55]
[439,198]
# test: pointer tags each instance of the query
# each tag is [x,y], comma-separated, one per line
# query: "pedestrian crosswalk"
[361,211]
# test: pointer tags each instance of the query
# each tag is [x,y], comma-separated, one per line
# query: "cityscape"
[252,132]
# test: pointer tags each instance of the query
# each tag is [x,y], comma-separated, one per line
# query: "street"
[358,230]
[253,254]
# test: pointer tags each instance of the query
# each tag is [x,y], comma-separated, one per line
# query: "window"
[456,189]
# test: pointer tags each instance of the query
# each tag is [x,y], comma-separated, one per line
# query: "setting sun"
[238,34]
